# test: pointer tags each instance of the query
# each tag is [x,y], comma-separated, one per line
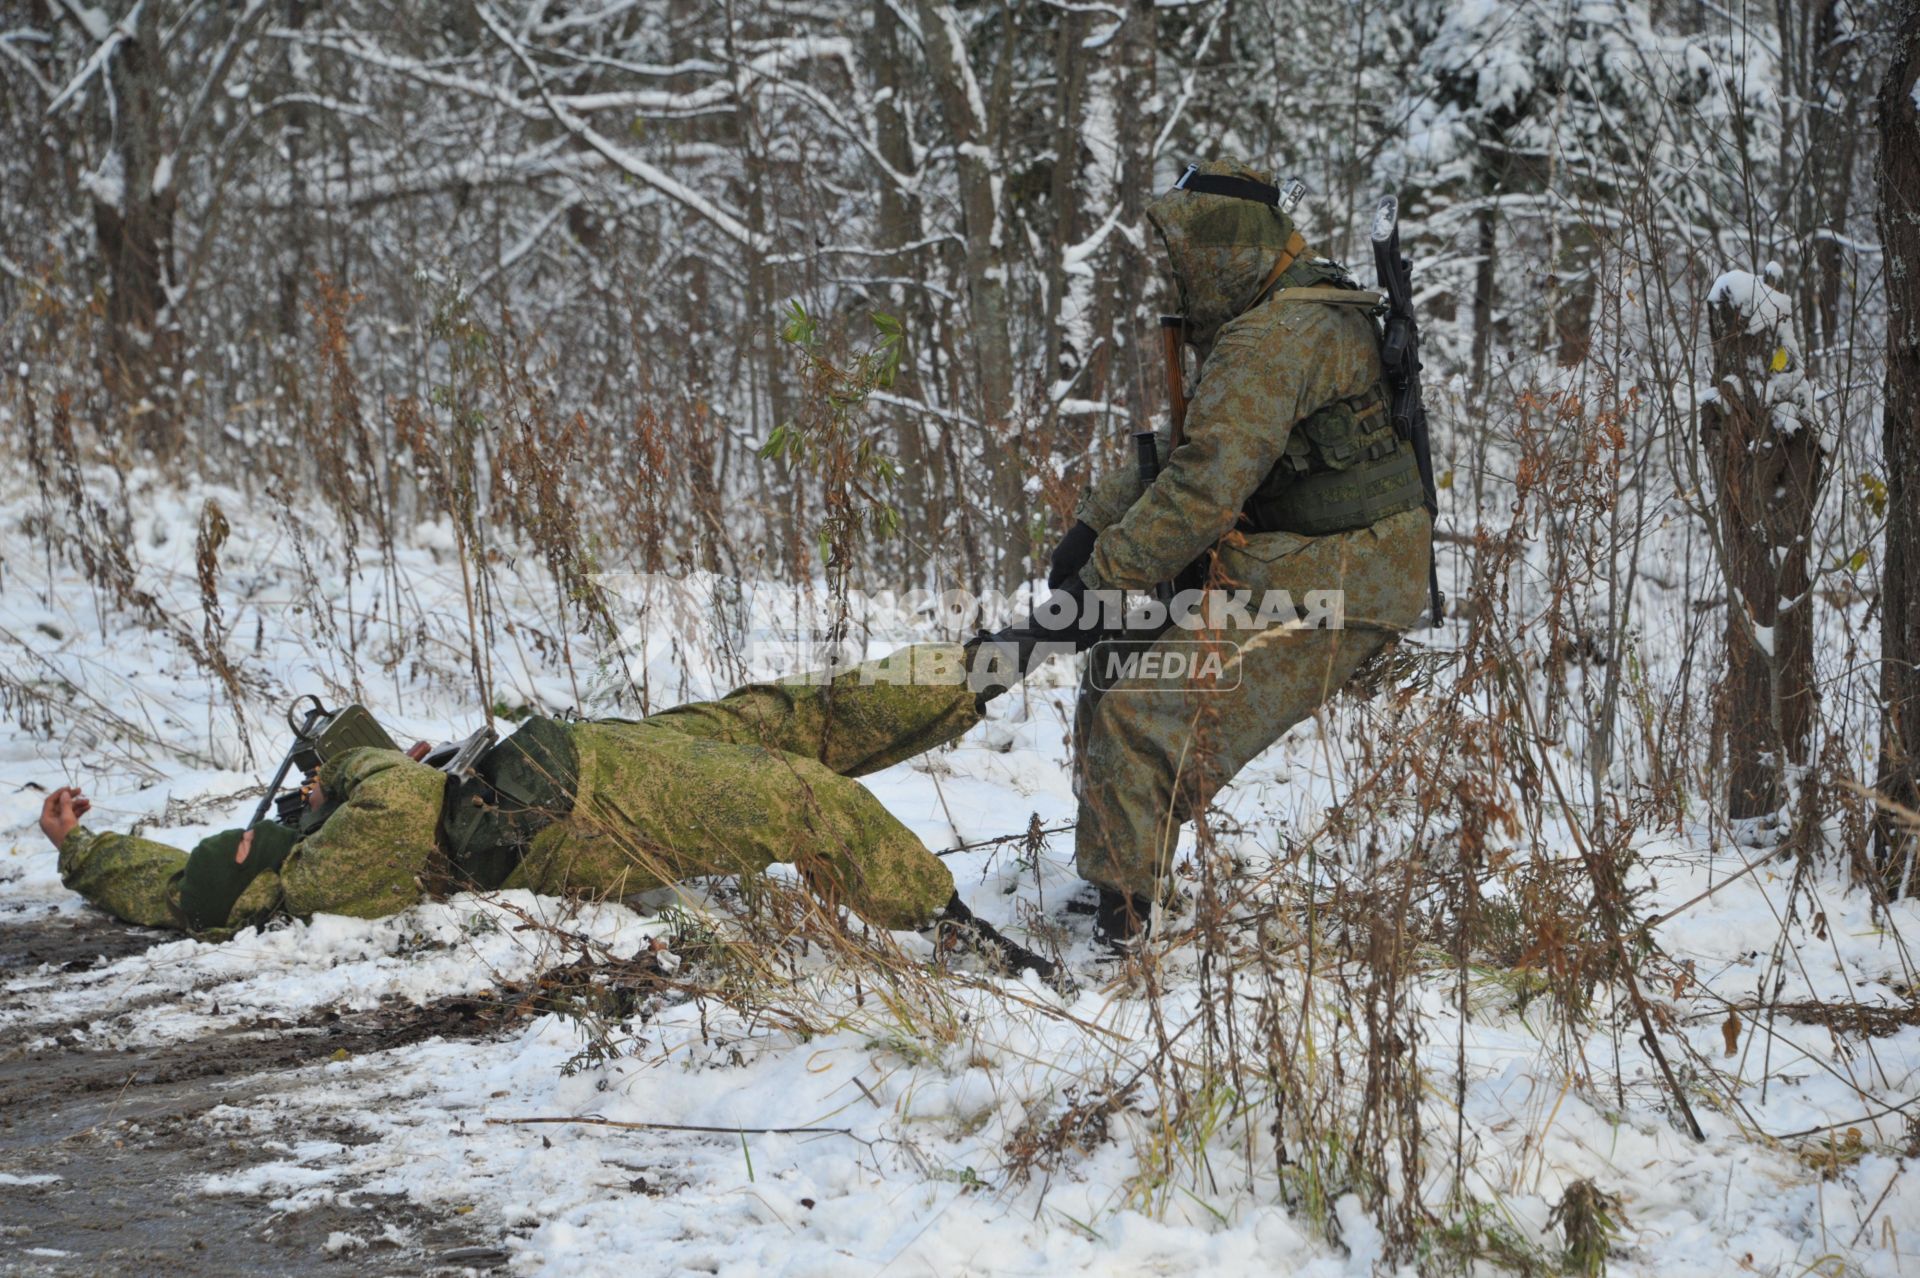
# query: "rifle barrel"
[273,788]
[1400,358]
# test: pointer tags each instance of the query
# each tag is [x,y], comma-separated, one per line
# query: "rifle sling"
[1296,245]
[1237,188]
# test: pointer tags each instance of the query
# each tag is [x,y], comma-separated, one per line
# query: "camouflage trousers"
[763,777]
[1153,749]
[728,787]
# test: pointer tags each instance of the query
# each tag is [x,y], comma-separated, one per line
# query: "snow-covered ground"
[911,1172]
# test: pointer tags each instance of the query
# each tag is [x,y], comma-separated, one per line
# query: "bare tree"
[975,109]
[143,127]
[1899,175]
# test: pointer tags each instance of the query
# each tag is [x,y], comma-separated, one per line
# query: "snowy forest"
[405,353]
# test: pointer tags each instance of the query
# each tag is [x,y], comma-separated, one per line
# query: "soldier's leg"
[1092,688]
[862,720]
[656,806]
[1157,749]
[859,853]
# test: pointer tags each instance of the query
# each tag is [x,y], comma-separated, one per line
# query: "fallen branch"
[1004,839]
[1684,906]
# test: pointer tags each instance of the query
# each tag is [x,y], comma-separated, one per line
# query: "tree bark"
[974,130]
[1065,188]
[923,513]
[1766,462]
[1134,263]
[1486,220]
[295,265]
[134,227]
[1899,216]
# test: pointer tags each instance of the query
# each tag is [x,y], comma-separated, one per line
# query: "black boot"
[958,927]
[1121,920]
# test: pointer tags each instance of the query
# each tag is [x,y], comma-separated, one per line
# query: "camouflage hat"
[1221,247]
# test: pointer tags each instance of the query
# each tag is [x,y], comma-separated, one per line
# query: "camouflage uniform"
[1289,395]
[724,787]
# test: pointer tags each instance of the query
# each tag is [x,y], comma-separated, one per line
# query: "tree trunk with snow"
[1899,778]
[133,219]
[1134,379]
[922,507]
[974,113]
[1765,456]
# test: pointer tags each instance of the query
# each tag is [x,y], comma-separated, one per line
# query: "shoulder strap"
[1296,245]
[1329,296]
[1238,188]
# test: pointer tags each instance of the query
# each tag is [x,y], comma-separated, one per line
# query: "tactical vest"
[1344,466]
[516,789]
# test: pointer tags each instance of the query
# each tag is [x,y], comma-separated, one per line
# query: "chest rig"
[1345,466]
[515,789]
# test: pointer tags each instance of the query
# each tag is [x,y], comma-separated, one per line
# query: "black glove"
[1071,555]
[1121,920]
[997,661]
[1065,617]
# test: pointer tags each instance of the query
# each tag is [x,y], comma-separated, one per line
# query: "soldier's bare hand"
[62,811]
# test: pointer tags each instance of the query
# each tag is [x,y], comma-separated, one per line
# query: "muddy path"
[101,1151]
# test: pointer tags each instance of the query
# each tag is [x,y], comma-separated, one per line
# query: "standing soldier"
[1292,473]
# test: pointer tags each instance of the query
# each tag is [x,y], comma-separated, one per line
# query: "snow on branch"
[110,39]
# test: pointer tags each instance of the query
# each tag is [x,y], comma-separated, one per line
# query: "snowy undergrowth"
[930,1114]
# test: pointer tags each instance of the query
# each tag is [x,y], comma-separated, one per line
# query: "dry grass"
[1280,1023]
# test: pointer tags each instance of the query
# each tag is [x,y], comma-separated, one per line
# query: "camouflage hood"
[1221,248]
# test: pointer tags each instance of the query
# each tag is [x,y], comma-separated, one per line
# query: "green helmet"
[1224,233]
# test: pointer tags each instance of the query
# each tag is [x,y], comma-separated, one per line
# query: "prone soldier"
[607,807]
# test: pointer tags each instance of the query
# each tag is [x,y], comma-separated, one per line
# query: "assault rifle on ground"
[319,734]
[1400,354]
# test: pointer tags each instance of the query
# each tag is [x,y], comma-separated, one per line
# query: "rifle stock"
[1173,339]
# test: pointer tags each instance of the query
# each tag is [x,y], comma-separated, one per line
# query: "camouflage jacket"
[1265,366]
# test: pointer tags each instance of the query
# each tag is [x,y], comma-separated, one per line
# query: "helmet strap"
[1238,188]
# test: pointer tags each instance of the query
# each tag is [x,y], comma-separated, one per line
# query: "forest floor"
[351,1096]
[107,1150]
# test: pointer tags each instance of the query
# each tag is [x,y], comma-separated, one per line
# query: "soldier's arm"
[131,879]
[1110,496]
[1247,401]
[368,859]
